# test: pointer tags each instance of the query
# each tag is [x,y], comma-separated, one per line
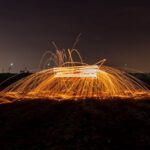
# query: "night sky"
[118,31]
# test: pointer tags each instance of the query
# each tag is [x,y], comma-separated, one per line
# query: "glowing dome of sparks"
[75,80]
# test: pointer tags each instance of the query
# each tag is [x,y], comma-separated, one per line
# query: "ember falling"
[76,80]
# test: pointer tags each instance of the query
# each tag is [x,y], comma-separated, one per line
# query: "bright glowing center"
[76,71]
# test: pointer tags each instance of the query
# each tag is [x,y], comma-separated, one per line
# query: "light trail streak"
[76,80]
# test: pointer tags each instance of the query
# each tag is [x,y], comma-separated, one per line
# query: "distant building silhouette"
[25,70]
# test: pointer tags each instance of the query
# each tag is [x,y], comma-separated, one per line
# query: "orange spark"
[76,80]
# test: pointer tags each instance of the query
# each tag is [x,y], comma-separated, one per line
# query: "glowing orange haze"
[76,80]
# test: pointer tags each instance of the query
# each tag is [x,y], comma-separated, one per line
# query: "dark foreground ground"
[75,125]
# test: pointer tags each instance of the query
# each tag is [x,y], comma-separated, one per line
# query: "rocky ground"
[75,125]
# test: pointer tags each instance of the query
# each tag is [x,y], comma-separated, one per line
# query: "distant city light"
[11,64]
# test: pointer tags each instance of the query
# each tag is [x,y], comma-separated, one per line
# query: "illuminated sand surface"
[76,80]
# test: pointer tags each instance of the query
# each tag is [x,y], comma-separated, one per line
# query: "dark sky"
[118,31]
